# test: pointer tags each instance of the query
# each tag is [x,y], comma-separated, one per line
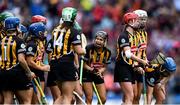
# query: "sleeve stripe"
[124,44]
[30,53]
[77,41]
[21,50]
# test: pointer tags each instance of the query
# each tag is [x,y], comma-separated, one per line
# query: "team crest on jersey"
[152,80]
[30,49]
[123,40]
[23,46]
[78,37]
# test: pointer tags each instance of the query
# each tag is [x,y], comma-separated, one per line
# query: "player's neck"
[99,49]
[130,30]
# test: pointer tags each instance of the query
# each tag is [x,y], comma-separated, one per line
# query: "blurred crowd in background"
[163,25]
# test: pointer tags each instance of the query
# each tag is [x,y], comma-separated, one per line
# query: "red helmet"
[38,18]
[129,16]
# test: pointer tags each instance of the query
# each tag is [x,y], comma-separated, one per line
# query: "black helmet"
[102,34]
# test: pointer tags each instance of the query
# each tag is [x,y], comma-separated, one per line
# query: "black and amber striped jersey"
[36,49]
[11,46]
[93,56]
[142,46]
[126,39]
[61,44]
[2,34]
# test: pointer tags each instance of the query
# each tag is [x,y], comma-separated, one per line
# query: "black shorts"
[91,77]
[152,78]
[123,73]
[14,79]
[138,77]
[51,75]
[65,71]
[39,74]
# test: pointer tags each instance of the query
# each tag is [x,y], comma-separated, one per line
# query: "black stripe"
[69,44]
[11,51]
[6,44]
[62,49]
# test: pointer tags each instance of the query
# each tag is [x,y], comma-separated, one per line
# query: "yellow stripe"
[131,44]
[35,56]
[58,51]
[131,40]
[55,47]
[71,47]
[135,40]
[2,47]
[136,44]
[65,46]
[144,38]
[101,57]
[140,38]
[107,56]
[55,31]
[90,56]
[94,57]
[14,53]
[8,52]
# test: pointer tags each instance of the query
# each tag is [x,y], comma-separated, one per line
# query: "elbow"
[21,60]
[81,52]
[128,54]
[30,63]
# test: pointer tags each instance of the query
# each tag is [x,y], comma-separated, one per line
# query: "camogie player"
[124,73]
[15,74]
[141,53]
[3,16]
[96,59]
[52,77]
[66,41]
[157,78]
[35,52]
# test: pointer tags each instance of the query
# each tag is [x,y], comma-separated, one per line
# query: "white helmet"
[141,13]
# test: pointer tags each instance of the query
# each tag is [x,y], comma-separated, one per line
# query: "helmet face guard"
[130,19]
[142,17]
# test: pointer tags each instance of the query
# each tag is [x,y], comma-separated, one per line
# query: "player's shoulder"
[123,36]
[57,28]
[17,39]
